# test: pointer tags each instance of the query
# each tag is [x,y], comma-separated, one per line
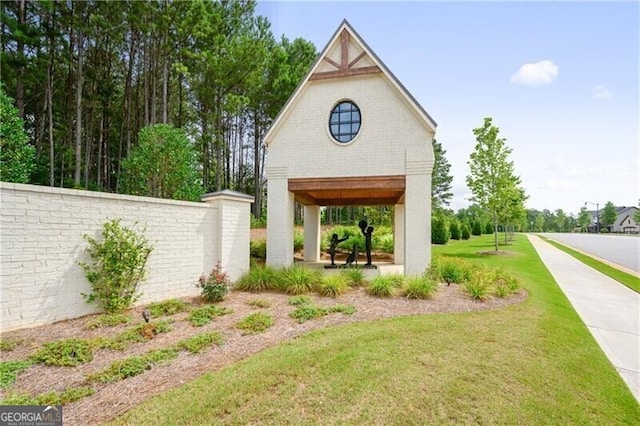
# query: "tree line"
[88,76]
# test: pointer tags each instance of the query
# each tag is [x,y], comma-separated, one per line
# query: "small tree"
[17,157]
[439,230]
[441,179]
[609,215]
[118,266]
[584,219]
[476,228]
[454,228]
[465,231]
[163,165]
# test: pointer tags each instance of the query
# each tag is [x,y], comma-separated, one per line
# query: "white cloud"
[601,92]
[536,74]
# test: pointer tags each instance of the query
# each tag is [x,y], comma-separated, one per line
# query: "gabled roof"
[366,62]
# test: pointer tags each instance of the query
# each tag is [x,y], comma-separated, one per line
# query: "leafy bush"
[419,287]
[133,366]
[297,279]
[201,316]
[215,286]
[135,334]
[454,228]
[383,286]
[167,307]
[67,353]
[17,156]
[353,235]
[258,248]
[439,230]
[343,309]
[385,243]
[257,322]
[355,277]
[308,312]
[118,266]
[9,371]
[197,343]
[333,285]
[107,320]
[504,282]
[258,278]
[452,270]
[476,228]
[465,231]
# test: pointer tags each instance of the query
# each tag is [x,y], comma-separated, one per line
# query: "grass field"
[622,277]
[532,363]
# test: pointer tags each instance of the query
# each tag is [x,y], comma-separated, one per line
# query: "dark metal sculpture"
[367,231]
[332,249]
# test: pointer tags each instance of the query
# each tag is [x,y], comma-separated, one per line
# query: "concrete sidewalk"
[610,310]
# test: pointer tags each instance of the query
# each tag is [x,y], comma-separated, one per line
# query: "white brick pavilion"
[350,134]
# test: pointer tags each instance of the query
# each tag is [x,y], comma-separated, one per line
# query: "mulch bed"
[113,399]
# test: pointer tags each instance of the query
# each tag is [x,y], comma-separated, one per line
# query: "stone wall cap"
[229,194]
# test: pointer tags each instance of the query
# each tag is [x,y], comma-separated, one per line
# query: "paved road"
[608,309]
[623,250]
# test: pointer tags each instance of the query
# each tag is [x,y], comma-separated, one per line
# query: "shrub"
[354,277]
[307,312]
[383,286]
[197,343]
[344,309]
[465,231]
[201,316]
[255,323]
[353,235]
[439,230]
[9,371]
[215,286]
[118,266]
[299,300]
[488,228]
[478,284]
[504,282]
[129,367]
[333,285]
[67,352]
[419,287]
[259,278]
[299,280]
[107,320]
[454,228]
[258,248]
[453,270]
[476,228]
[167,307]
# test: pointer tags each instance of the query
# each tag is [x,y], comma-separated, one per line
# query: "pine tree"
[441,179]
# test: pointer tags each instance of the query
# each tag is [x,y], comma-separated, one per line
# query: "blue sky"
[560,80]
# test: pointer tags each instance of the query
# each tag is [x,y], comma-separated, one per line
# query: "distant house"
[625,222]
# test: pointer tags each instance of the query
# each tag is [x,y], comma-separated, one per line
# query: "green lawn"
[627,279]
[533,363]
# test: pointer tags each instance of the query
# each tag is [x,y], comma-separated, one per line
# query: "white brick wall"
[41,242]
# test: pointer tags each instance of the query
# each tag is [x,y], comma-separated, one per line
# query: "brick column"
[280,204]
[232,233]
[398,234]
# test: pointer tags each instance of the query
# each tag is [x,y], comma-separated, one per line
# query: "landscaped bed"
[129,360]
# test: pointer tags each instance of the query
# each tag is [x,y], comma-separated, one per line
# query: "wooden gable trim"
[345,73]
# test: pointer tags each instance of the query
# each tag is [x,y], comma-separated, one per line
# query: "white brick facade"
[41,242]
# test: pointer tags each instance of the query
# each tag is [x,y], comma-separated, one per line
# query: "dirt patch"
[113,399]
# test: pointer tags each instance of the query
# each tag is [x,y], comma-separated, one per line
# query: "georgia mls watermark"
[30,415]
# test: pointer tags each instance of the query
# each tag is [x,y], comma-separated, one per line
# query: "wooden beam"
[345,73]
[393,182]
[332,62]
[345,49]
[355,61]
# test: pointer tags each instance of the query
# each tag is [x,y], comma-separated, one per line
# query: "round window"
[345,121]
